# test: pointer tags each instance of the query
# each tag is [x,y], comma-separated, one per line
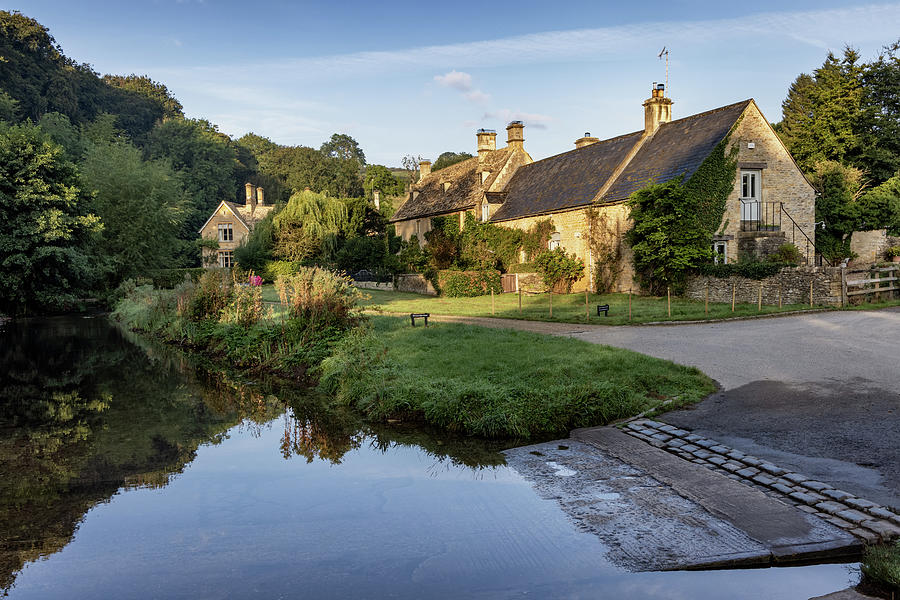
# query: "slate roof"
[465,191]
[575,178]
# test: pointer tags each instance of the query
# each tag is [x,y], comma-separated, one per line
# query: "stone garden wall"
[414,282]
[791,285]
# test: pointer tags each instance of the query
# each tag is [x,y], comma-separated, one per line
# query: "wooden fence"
[880,283]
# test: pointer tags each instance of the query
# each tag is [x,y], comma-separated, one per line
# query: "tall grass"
[498,383]
[224,319]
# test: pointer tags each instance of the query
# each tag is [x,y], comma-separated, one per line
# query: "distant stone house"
[583,191]
[230,224]
[473,185]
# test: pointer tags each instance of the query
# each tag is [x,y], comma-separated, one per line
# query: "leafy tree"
[9,107]
[256,144]
[44,262]
[344,147]
[257,248]
[153,90]
[379,177]
[449,158]
[309,225]
[840,187]
[880,207]
[880,115]
[300,167]
[822,113]
[60,129]
[205,162]
[142,205]
[410,164]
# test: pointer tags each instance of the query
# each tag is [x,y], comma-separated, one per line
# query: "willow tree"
[309,225]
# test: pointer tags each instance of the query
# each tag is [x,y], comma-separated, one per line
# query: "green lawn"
[499,382]
[566,308]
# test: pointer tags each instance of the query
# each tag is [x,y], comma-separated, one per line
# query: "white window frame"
[554,241]
[226,232]
[720,258]
[485,212]
[226,259]
[751,194]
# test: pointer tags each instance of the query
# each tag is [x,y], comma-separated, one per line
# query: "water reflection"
[87,410]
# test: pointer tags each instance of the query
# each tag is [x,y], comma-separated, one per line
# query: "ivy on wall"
[674,221]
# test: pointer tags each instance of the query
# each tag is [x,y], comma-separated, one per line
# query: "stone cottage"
[583,191]
[475,183]
[230,224]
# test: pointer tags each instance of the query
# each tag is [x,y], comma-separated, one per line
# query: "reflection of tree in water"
[315,428]
[86,410]
[83,413]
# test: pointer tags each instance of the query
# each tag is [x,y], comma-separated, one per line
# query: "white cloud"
[819,28]
[462,82]
[457,80]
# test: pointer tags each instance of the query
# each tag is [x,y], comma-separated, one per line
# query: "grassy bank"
[881,569]
[568,308]
[498,383]
[227,321]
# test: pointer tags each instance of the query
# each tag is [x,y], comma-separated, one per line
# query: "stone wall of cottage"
[781,181]
[790,286]
[211,232]
[575,228]
[416,283]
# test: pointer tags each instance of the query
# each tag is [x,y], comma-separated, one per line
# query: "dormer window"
[485,211]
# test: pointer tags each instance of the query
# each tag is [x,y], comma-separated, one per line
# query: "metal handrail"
[795,227]
[768,215]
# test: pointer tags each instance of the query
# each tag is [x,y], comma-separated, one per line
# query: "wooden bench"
[414,316]
[604,308]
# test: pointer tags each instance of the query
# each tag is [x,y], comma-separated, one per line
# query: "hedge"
[750,270]
[169,278]
[522,268]
[455,284]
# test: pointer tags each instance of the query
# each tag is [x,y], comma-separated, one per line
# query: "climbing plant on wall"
[674,221]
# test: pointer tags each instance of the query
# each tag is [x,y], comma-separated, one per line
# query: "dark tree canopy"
[151,89]
[449,158]
[343,147]
[44,258]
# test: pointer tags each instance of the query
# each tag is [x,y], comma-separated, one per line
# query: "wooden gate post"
[706,304]
[492,302]
[669,301]
[551,303]
[733,292]
[810,293]
[587,311]
[759,299]
[629,305]
[520,301]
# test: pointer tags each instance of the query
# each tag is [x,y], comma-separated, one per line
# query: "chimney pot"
[587,140]
[487,141]
[260,198]
[515,134]
[657,109]
[424,169]
[249,188]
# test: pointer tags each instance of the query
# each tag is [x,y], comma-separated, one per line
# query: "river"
[131,470]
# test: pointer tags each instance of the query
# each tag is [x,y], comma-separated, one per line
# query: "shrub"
[522,268]
[750,270]
[211,296]
[559,268]
[245,308]
[320,296]
[274,269]
[455,284]
[169,278]
[786,253]
[892,251]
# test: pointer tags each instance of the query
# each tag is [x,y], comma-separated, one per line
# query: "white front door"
[750,195]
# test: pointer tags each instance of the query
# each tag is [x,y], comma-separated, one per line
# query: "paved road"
[816,393]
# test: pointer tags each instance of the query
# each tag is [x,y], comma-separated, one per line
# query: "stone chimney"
[376,198]
[587,140]
[515,134]
[260,198]
[487,141]
[251,193]
[424,169]
[657,109]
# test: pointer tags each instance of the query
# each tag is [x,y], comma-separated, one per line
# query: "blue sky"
[416,78]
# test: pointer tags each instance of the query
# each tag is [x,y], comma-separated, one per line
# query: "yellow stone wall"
[782,181]
[575,228]
[211,231]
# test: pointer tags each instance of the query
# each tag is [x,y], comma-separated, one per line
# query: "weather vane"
[665,52]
